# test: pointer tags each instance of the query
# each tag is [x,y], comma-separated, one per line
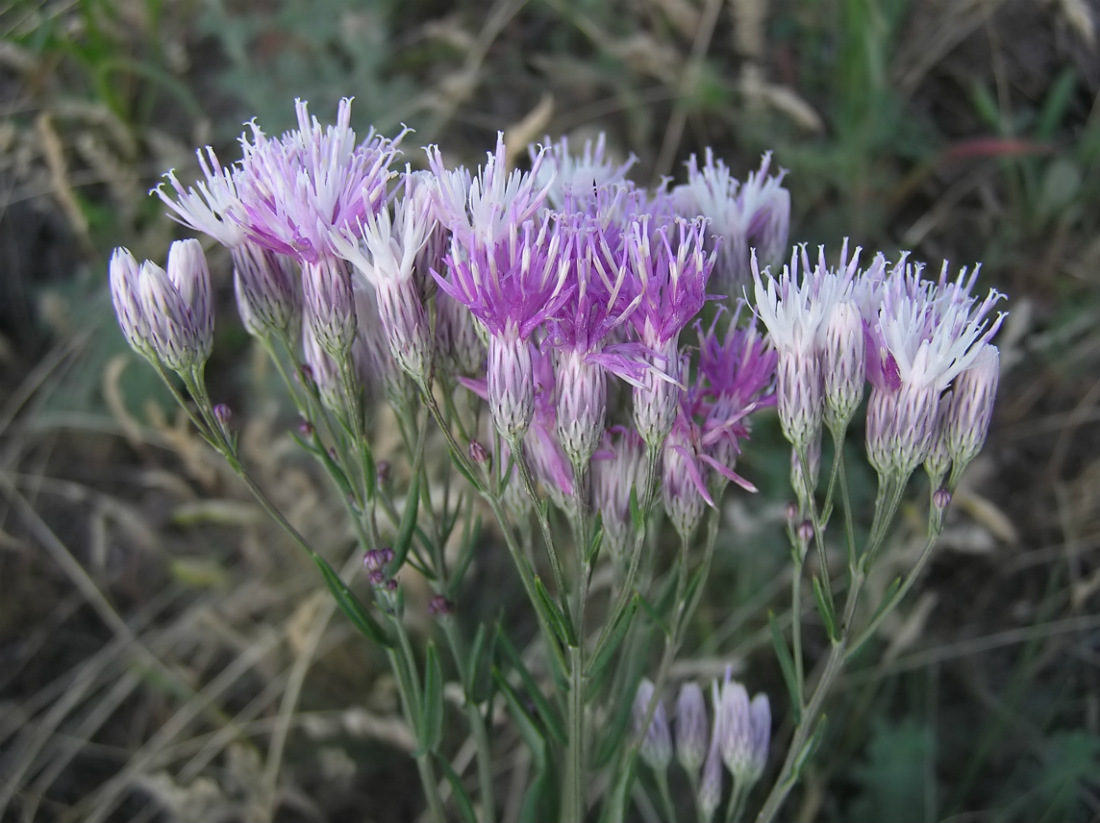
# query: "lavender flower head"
[672,275]
[312,183]
[575,179]
[755,214]
[584,334]
[213,205]
[795,308]
[925,334]
[387,258]
[506,271]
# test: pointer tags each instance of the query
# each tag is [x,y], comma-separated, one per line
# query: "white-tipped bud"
[760,717]
[799,396]
[329,305]
[175,314]
[268,294]
[691,728]
[656,748]
[657,400]
[842,364]
[582,404]
[901,426]
[511,385]
[971,410]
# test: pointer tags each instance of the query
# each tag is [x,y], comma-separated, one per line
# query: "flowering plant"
[547,293]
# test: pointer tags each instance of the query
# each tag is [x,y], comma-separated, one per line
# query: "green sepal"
[431,720]
[786,665]
[545,711]
[349,604]
[461,796]
[825,609]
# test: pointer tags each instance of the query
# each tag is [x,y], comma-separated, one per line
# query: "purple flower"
[313,182]
[213,205]
[656,748]
[691,727]
[742,217]
[574,180]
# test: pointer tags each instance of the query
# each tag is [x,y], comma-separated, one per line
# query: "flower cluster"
[912,339]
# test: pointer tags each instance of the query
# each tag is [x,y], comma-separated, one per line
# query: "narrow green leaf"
[526,725]
[786,664]
[431,723]
[461,796]
[808,750]
[658,621]
[535,800]
[466,556]
[479,673]
[825,609]
[615,808]
[334,470]
[615,731]
[545,711]
[595,546]
[349,604]
[609,643]
[405,531]
[554,616]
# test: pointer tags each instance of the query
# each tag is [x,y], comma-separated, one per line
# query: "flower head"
[575,179]
[656,748]
[312,184]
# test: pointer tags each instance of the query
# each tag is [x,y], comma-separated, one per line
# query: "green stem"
[543,519]
[661,777]
[574,808]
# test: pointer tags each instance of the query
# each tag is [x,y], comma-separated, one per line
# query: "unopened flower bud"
[440,605]
[941,498]
[478,453]
[806,531]
[459,336]
[322,369]
[691,728]
[710,787]
[842,364]
[382,472]
[804,478]
[760,715]
[223,414]
[405,324]
[683,502]
[656,749]
[305,428]
[391,585]
[736,725]
[971,410]
[938,460]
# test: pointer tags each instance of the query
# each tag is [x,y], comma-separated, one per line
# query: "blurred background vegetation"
[163,654]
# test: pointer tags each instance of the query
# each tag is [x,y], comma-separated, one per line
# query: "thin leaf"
[405,531]
[786,664]
[554,616]
[637,516]
[469,477]
[545,711]
[349,604]
[431,725]
[461,796]
[526,725]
